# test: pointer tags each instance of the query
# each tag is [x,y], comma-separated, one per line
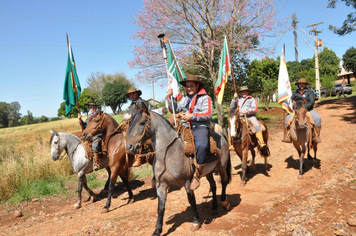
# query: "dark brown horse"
[115,145]
[243,141]
[301,134]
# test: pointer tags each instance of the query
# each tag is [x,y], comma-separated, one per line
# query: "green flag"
[72,87]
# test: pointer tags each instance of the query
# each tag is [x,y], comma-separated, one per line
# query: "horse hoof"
[77,205]
[130,201]
[300,176]
[156,233]
[225,204]
[242,184]
[195,227]
[104,210]
[214,212]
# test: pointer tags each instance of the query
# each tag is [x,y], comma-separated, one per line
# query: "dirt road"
[273,203]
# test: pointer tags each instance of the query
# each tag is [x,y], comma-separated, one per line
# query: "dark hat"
[133,90]
[192,78]
[92,103]
[244,88]
[301,81]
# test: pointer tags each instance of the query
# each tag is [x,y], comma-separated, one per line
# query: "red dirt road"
[273,203]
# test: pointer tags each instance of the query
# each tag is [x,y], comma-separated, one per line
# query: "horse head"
[233,121]
[56,148]
[300,115]
[138,131]
[96,125]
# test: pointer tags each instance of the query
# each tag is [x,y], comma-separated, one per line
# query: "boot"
[139,160]
[195,181]
[286,137]
[231,147]
[317,135]
[96,161]
[260,140]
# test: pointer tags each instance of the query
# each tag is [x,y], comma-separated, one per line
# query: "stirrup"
[195,183]
[137,161]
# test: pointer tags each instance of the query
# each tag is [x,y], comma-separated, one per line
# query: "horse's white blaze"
[233,127]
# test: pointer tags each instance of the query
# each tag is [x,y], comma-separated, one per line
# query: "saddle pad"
[87,145]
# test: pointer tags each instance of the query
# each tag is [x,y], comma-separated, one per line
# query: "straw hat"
[244,88]
[301,81]
[92,103]
[133,90]
[192,78]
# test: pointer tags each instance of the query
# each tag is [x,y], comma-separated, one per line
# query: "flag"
[284,88]
[175,74]
[224,72]
[72,87]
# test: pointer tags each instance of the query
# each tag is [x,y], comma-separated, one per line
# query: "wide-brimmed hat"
[192,78]
[92,103]
[301,81]
[244,88]
[133,90]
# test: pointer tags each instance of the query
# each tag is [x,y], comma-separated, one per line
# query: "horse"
[244,142]
[81,165]
[171,166]
[114,144]
[301,135]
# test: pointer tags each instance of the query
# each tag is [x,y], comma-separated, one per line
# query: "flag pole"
[232,68]
[72,77]
[163,46]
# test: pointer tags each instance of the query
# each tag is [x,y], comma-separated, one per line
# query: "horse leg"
[125,180]
[252,165]
[212,183]
[301,162]
[81,180]
[112,183]
[106,188]
[244,167]
[91,193]
[193,204]
[162,196]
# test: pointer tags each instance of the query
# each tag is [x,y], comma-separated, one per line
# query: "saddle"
[251,128]
[188,137]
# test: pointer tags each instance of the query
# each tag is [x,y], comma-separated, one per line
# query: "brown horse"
[243,141]
[301,134]
[115,145]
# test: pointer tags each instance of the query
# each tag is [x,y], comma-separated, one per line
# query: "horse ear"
[144,108]
[51,131]
[294,102]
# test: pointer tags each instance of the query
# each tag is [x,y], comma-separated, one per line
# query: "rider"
[136,103]
[248,106]
[197,109]
[96,143]
[299,95]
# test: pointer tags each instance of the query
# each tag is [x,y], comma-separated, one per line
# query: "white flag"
[284,88]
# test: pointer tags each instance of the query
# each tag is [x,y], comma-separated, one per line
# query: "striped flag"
[175,73]
[224,72]
[284,88]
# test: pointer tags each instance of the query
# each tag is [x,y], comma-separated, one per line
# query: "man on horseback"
[248,105]
[136,103]
[96,143]
[197,110]
[299,95]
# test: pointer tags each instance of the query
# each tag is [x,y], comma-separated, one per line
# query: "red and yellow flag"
[224,72]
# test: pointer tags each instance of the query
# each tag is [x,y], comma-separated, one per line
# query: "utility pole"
[317,43]
[294,24]
[153,90]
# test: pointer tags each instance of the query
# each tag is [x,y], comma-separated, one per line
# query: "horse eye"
[55,142]
[96,121]
[142,123]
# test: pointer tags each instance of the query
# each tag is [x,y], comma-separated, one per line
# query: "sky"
[34,51]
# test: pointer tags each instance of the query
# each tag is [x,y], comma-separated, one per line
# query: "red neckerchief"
[194,100]
[247,97]
[301,91]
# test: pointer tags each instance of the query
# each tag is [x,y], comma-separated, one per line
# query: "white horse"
[81,165]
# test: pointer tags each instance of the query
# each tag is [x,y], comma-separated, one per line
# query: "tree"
[42,119]
[263,79]
[349,60]
[328,63]
[349,24]
[114,95]
[14,114]
[97,81]
[4,113]
[27,119]
[85,98]
[196,29]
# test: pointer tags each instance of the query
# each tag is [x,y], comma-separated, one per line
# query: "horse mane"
[138,115]
[112,118]
[298,105]
[57,133]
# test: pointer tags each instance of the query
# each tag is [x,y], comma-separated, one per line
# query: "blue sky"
[34,51]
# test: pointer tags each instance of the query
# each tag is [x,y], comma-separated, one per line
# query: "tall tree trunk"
[220,114]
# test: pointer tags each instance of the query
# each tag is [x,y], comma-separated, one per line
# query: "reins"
[58,149]
[239,140]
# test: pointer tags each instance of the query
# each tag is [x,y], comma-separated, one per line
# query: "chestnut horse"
[243,141]
[171,166]
[114,144]
[301,135]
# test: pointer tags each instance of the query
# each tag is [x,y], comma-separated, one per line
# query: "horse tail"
[228,168]
[264,151]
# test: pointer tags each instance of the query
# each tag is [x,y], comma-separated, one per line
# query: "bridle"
[98,124]
[240,124]
[58,148]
